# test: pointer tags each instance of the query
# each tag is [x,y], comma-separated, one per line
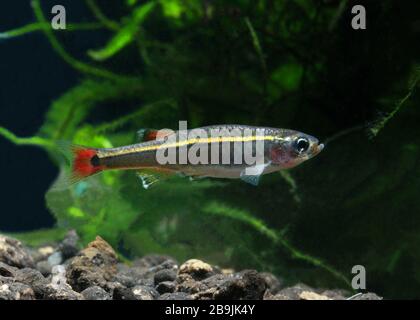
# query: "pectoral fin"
[254,180]
[252,175]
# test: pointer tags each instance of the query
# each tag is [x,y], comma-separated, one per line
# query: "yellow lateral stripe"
[184,143]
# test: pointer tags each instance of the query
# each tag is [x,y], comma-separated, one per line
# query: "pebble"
[14,254]
[94,273]
[96,293]
[166,287]
[164,275]
[145,293]
[196,268]
[175,296]
[93,266]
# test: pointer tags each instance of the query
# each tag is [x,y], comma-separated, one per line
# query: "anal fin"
[150,177]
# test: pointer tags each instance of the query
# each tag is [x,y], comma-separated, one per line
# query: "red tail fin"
[85,163]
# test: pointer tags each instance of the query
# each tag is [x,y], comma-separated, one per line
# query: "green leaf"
[131,2]
[40,237]
[287,76]
[186,9]
[92,208]
[172,8]
[125,35]
[117,42]
[76,212]
[67,112]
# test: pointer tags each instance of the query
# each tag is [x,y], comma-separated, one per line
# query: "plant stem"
[28,141]
[37,26]
[101,17]
[76,64]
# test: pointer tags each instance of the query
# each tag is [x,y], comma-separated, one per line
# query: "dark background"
[31,76]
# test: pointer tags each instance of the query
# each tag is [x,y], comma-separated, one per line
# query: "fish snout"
[320,147]
[316,148]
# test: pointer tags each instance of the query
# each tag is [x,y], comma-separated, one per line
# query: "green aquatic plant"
[125,34]
[277,237]
[38,26]
[101,205]
[380,123]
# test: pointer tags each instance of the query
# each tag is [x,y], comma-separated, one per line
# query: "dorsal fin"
[153,134]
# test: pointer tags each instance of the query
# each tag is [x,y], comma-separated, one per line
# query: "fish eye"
[301,144]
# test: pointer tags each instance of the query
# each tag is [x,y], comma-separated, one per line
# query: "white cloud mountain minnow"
[217,151]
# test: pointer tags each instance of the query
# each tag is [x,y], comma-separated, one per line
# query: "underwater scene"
[210,149]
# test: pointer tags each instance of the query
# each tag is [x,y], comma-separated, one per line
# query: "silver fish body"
[224,151]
